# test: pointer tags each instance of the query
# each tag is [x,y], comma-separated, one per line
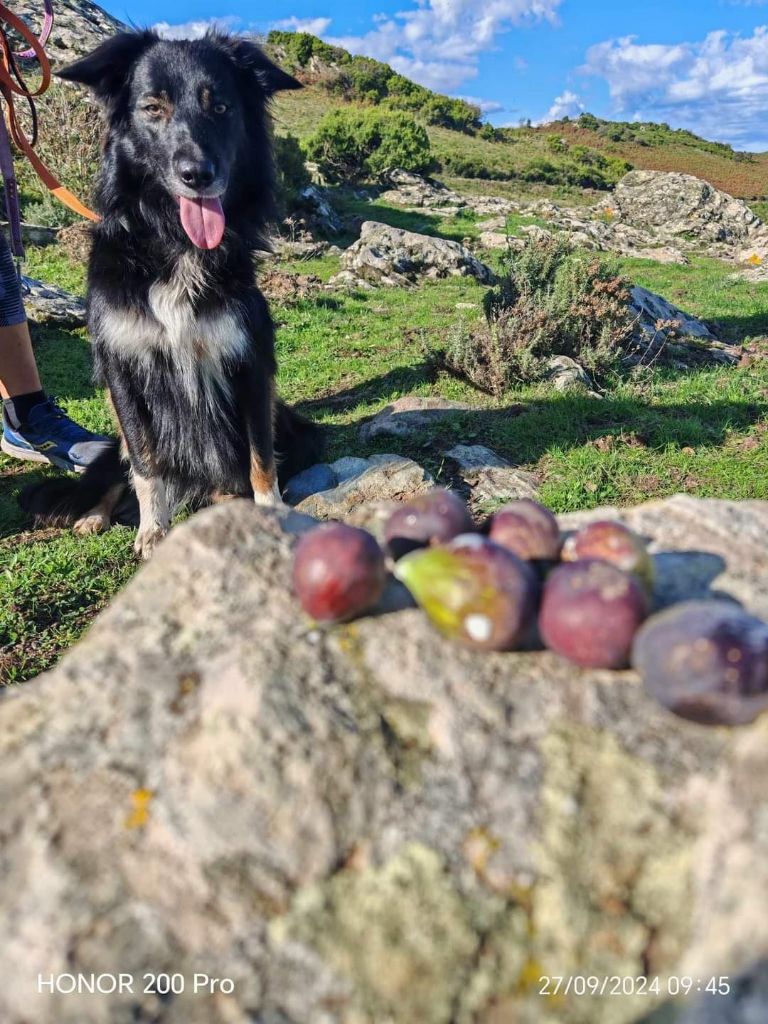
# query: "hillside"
[573,155]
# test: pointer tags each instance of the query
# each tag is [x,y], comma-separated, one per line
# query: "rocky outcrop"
[658,215]
[48,304]
[660,325]
[79,26]
[409,415]
[412,191]
[395,258]
[681,206]
[366,824]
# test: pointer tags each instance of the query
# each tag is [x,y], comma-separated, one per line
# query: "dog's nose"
[195,173]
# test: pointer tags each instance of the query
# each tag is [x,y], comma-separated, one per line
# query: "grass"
[344,356]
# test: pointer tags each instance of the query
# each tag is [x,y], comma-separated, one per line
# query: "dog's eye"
[151,108]
[220,108]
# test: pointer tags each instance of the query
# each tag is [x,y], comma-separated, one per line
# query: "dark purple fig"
[706,661]
[527,529]
[474,591]
[430,518]
[590,613]
[338,572]
[612,542]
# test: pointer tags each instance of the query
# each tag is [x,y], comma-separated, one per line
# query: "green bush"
[357,144]
[551,302]
[292,173]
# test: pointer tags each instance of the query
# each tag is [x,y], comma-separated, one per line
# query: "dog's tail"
[299,443]
[61,501]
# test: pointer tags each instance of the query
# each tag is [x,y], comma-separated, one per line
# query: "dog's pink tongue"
[203,221]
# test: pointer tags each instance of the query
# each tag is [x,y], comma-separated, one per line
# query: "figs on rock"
[474,591]
[434,517]
[590,613]
[338,572]
[527,529]
[612,542]
[706,661]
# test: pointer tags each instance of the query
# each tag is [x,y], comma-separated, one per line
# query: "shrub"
[551,302]
[70,144]
[355,144]
[292,173]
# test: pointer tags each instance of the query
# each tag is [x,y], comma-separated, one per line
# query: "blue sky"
[698,64]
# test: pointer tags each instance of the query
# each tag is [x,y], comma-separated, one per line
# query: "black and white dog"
[182,337]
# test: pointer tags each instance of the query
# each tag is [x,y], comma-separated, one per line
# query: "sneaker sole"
[17,452]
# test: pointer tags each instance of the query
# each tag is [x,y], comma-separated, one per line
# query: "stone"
[320,477]
[408,415]
[325,219]
[489,478]
[494,240]
[48,304]
[661,327]
[388,478]
[350,466]
[565,374]
[366,823]
[79,27]
[392,257]
[413,191]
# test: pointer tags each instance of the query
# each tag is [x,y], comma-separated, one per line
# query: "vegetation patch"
[551,302]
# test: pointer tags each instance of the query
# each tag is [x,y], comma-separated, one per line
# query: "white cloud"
[568,104]
[315,26]
[439,42]
[486,106]
[717,87]
[197,29]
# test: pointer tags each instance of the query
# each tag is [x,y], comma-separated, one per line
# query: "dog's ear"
[105,70]
[251,58]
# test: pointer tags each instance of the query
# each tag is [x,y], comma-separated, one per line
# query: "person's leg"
[34,427]
[18,369]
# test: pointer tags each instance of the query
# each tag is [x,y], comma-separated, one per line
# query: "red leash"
[12,84]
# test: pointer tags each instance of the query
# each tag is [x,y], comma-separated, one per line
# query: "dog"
[182,337]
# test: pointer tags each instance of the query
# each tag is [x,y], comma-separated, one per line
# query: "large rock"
[682,205]
[386,478]
[49,304]
[661,326]
[78,28]
[390,256]
[367,824]
[412,191]
[409,415]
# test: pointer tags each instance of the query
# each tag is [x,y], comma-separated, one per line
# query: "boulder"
[324,217]
[79,27]
[674,204]
[489,478]
[415,192]
[365,823]
[660,325]
[565,374]
[395,258]
[49,304]
[408,415]
[386,478]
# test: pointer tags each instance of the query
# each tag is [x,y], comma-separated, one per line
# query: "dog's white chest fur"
[198,344]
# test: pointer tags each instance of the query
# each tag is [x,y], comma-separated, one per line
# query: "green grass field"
[344,356]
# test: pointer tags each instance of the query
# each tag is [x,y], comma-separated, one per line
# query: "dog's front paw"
[269,499]
[147,540]
[93,522]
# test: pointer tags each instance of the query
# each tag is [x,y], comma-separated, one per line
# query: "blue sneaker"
[49,435]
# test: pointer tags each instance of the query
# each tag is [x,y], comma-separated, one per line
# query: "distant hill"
[582,154]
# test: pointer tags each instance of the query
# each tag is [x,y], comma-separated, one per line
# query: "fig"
[527,529]
[612,542]
[590,613]
[434,517]
[338,572]
[474,591]
[706,661]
